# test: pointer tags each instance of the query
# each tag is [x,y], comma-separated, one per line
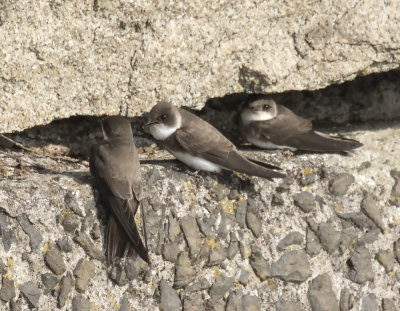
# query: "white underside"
[196,162]
[248,116]
[268,145]
[161,132]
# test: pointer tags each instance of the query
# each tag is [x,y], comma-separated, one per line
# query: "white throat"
[249,116]
[162,132]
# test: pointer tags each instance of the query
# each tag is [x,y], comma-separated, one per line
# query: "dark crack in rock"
[65,288]
[16,305]
[84,272]
[388,305]
[234,302]
[348,239]
[329,237]
[277,199]
[169,298]
[313,247]
[369,303]
[64,245]
[360,265]
[251,303]
[135,267]
[49,282]
[55,261]
[292,238]
[305,201]
[293,266]
[386,259]
[95,233]
[7,291]
[253,222]
[80,303]
[72,203]
[83,240]
[370,208]
[202,284]
[184,272]
[31,292]
[320,294]
[346,300]
[259,264]
[192,234]
[217,256]
[170,251]
[288,306]
[340,184]
[221,285]
[34,235]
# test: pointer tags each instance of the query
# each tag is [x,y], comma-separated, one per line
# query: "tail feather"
[242,164]
[320,142]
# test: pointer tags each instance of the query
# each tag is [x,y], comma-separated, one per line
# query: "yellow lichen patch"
[137,293]
[238,285]
[153,286]
[272,283]
[272,230]
[7,276]
[64,213]
[55,201]
[57,287]
[241,176]
[10,263]
[307,171]
[211,242]
[45,247]
[191,195]
[397,221]
[117,306]
[339,207]
[247,253]
[217,272]
[227,206]
[190,185]
[137,220]
[396,199]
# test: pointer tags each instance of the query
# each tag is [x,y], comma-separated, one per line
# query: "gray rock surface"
[293,266]
[169,298]
[320,294]
[49,281]
[340,183]
[65,289]
[346,300]
[260,266]
[55,261]
[360,265]
[251,303]
[370,208]
[386,259]
[7,290]
[313,246]
[192,234]
[369,303]
[184,272]
[292,238]
[31,292]
[329,237]
[29,229]
[288,306]
[129,56]
[388,305]
[221,285]
[305,201]
[83,272]
[80,303]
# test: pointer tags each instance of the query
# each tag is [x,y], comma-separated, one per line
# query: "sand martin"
[115,165]
[199,145]
[268,125]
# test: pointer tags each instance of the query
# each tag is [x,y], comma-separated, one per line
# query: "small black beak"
[149,123]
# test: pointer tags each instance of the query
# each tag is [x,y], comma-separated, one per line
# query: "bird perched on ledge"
[115,165]
[199,145]
[268,125]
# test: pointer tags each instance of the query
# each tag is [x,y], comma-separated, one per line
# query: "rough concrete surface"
[42,190]
[65,58]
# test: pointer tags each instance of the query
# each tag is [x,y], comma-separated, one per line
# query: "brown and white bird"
[268,125]
[115,165]
[199,145]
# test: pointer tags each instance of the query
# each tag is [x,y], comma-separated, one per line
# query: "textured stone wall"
[64,58]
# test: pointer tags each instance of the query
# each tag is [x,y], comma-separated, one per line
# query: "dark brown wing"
[282,129]
[115,168]
[200,138]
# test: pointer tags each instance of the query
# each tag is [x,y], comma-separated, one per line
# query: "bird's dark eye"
[266,107]
[164,116]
